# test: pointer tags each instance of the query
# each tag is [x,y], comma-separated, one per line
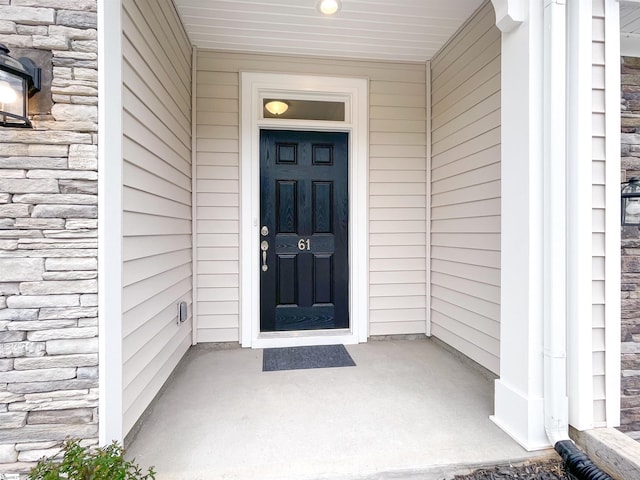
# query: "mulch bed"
[550,470]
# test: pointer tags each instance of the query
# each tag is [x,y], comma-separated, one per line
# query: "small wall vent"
[182,312]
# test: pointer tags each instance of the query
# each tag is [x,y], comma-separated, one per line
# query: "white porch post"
[110,219]
[519,408]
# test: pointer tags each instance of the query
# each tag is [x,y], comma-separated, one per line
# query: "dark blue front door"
[304,209]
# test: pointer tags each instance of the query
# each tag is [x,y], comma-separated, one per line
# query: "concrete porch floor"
[409,409]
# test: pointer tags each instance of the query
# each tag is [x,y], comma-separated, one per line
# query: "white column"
[546,291]
[519,406]
[110,218]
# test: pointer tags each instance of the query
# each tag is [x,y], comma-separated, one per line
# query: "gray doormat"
[296,358]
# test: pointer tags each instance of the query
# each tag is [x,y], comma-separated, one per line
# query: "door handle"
[264,246]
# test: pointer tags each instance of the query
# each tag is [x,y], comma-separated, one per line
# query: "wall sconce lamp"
[19,80]
[630,196]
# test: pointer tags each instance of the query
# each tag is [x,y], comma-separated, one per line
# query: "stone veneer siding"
[630,153]
[48,242]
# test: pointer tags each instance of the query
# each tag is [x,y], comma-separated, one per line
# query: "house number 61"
[304,244]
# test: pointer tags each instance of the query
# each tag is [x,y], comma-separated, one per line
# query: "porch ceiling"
[399,30]
[630,18]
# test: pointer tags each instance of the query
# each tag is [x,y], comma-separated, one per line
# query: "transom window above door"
[298,109]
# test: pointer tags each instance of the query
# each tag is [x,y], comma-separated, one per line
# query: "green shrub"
[79,463]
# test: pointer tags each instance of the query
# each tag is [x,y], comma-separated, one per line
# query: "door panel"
[304,205]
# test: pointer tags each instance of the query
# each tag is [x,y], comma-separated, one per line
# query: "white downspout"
[555,235]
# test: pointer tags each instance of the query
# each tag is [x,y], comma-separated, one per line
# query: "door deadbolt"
[264,231]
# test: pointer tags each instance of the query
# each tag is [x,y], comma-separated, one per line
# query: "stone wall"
[48,241]
[630,154]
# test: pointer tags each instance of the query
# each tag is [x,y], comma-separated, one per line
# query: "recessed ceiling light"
[329,7]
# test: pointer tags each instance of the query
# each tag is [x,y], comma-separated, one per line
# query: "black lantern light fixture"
[630,208]
[19,80]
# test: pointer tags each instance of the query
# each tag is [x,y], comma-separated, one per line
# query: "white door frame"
[354,92]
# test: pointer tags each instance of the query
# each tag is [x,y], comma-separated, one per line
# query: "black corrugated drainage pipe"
[577,463]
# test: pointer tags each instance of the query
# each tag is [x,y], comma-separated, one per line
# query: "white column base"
[520,417]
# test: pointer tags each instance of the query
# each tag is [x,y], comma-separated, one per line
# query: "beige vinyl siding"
[156,198]
[598,213]
[397,188]
[465,191]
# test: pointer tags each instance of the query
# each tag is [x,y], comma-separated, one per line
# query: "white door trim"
[354,91]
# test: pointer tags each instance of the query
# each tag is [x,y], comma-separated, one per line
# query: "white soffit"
[396,30]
